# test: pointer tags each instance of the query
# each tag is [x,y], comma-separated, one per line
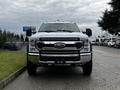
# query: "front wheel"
[31,68]
[87,68]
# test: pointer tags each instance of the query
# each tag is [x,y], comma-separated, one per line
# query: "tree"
[0,38]
[111,19]
[4,36]
[26,39]
[18,37]
[115,4]
[21,37]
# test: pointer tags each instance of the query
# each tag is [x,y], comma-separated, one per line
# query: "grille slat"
[60,39]
[59,52]
[52,45]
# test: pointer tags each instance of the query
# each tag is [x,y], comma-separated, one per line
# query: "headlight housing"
[39,45]
[32,43]
[86,46]
[79,45]
[32,47]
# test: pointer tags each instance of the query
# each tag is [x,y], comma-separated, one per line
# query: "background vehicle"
[111,42]
[117,43]
[59,44]
[93,42]
[106,42]
[11,46]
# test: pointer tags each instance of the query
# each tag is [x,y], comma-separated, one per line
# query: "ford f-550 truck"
[59,44]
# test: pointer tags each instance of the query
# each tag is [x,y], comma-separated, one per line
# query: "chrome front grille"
[59,45]
[59,49]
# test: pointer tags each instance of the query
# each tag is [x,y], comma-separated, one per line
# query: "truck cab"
[59,44]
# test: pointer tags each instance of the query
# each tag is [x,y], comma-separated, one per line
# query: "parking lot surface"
[105,76]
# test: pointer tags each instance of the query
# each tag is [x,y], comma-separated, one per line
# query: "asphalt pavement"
[105,75]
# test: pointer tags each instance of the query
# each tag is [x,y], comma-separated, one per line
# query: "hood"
[59,34]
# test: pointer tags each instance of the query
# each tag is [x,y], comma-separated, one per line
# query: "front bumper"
[84,58]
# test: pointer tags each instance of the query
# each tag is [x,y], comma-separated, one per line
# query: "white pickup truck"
[59,44]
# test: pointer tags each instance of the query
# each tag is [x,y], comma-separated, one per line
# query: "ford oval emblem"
[59,45]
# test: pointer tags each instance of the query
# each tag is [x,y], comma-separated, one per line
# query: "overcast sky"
[17,13]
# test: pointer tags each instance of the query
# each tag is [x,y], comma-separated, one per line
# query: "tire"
[31,68]
[87,68]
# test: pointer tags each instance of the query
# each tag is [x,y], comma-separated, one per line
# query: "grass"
[11,61]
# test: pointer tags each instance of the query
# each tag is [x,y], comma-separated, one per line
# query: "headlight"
[39,45]
[79,45]
[86,46]
[32,47]
[32,42]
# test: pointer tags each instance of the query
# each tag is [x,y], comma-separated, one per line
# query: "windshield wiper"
[46,31]
[64,30]
[57,31]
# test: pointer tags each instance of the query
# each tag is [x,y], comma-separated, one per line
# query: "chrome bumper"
[61,55]
[84,58]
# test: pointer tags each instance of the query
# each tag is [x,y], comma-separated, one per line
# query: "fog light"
[39,45]
[79,45]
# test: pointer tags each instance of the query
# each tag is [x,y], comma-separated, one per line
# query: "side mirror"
[89,32]
[29,32]
[118,33]
[33,30]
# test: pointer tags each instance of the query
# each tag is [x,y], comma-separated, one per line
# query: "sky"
[14,14]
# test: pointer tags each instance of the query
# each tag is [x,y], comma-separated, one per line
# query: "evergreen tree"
[21,37]
[0,38]
[115,4]
[18,38]
[110,20]
[26,39]
[4,36]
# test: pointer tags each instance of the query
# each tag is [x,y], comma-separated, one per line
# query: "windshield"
[59,27]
